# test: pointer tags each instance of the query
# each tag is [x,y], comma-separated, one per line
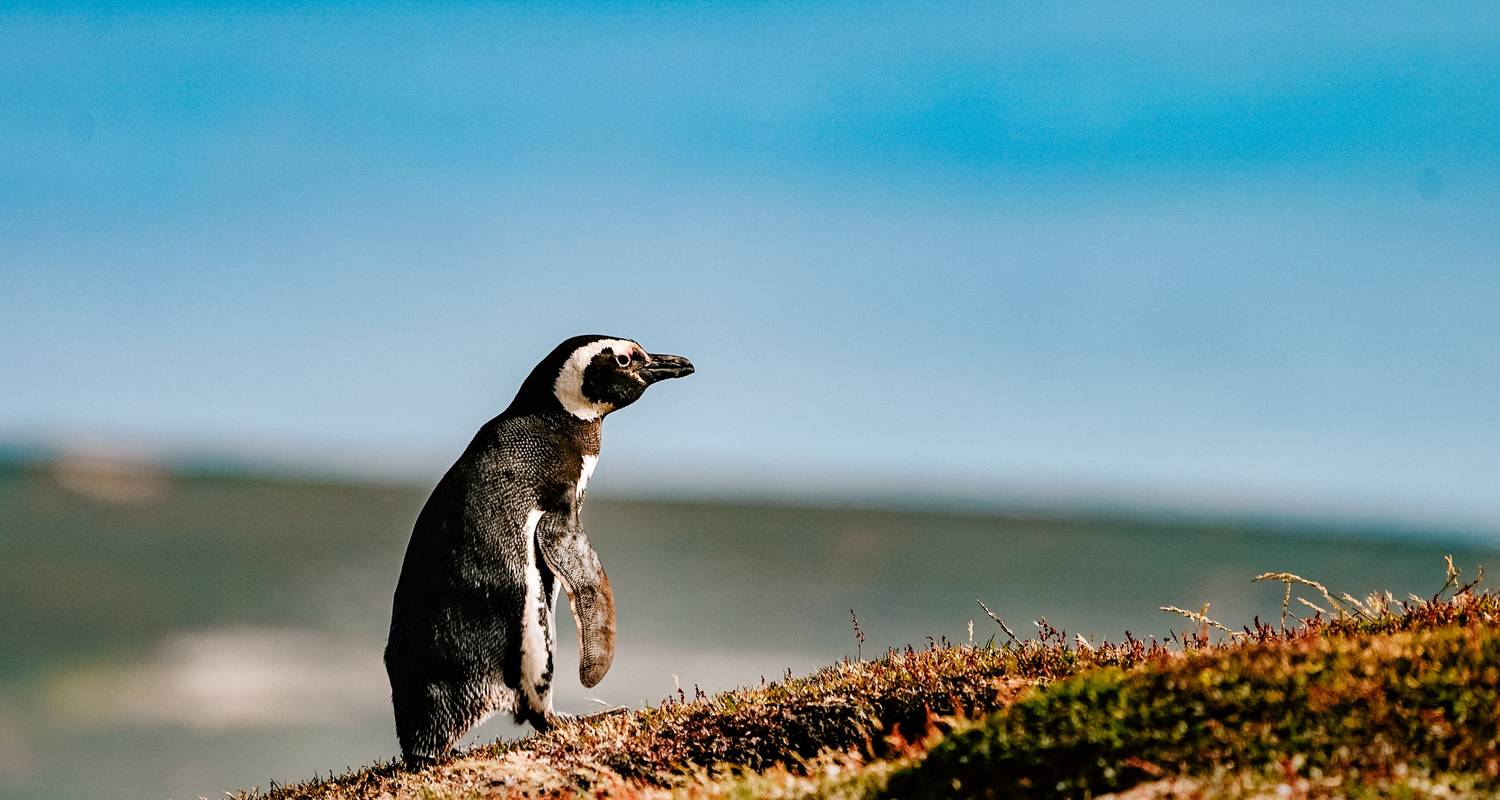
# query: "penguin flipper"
[567,550]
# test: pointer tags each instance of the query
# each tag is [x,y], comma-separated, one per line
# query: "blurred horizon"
[114,467]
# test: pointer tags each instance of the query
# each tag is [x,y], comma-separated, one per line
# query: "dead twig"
[1201,618]
[998,621]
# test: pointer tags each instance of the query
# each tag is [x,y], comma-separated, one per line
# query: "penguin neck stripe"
[568,387]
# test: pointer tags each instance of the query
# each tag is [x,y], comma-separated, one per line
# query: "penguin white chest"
[536,644]
[589,462]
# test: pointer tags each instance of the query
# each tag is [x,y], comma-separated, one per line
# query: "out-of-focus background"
[1080,311]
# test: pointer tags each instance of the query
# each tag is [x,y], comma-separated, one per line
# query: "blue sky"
[1245,258]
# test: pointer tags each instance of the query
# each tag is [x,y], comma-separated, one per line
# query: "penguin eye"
[623,359]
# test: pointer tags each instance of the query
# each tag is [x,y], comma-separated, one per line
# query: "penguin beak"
[663,366]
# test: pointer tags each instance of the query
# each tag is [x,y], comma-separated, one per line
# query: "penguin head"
[590,376]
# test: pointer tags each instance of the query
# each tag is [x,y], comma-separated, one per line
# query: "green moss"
[1346,704]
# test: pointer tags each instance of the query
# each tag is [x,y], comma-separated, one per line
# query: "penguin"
[473,616]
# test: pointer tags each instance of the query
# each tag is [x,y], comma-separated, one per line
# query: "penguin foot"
[418,761]
[557,718]
[613,712]
[552,719]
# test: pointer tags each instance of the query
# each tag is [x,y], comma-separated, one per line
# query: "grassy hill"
[176,634]
[1372,697]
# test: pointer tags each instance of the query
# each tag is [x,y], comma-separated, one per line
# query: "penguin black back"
[473,616]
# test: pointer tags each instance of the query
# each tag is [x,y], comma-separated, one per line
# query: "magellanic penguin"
[472,622]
